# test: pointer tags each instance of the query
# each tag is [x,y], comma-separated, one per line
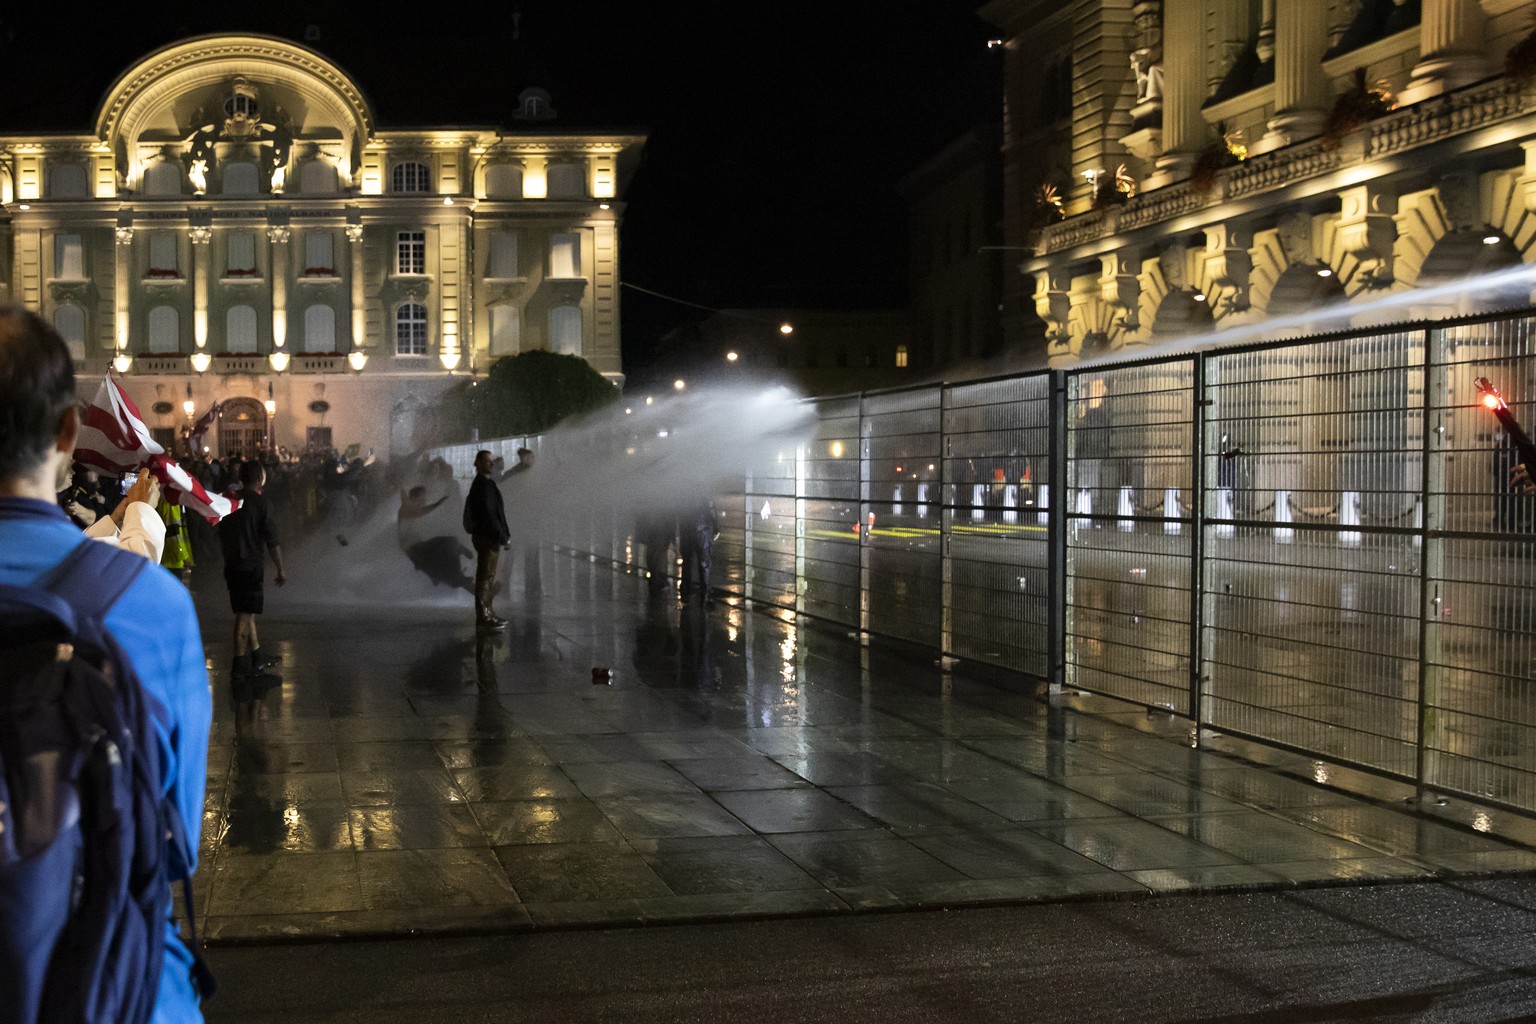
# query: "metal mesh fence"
[1311,597]
[1130,434]
[1313,543]
[996,457]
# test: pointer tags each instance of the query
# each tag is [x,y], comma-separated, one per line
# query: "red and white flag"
[113,438]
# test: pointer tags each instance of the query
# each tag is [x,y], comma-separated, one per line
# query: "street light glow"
[731,357]
[786,328]
[678,384]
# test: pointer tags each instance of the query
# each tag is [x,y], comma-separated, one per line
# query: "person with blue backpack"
[104,718]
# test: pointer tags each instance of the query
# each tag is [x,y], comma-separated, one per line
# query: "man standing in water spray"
[485,520]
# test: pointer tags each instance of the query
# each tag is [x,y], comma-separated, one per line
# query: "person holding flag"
[114,438]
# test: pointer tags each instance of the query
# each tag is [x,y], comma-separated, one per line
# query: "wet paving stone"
[722,864]
[411,775]
[559,874]
[414,827]
[517,822]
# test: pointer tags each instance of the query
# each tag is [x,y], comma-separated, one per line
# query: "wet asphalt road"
[1456,952]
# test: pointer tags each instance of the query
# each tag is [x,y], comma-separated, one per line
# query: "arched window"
[565,330]
[411,329]
[567,181]
[240,329]
[163,178]
[504,181]
[411,177]
[164,329]
[68,181]
[240,179]
[317,177]
[69,321]
[319,329]
[506,330]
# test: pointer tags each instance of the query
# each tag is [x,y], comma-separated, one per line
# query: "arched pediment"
[175,92]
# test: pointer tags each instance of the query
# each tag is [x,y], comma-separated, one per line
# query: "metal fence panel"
[1311,634]
[1129,439]
[1480,647]
[903,581]
[996,448]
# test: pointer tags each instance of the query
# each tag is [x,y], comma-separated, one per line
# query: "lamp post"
[271,406]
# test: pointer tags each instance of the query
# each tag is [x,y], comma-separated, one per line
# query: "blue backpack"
[86,836]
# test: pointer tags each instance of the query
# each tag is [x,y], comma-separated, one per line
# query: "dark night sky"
[778,131]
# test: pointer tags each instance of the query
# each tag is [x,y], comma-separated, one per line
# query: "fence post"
[1056,533]
[864,528]
[1431,500]
[1198,404]
[946,567]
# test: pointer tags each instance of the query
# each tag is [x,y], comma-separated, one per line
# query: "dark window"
[318,439]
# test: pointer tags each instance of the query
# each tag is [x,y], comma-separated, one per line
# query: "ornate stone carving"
[1367,230]
[124,235]
[354,233]
[278,234]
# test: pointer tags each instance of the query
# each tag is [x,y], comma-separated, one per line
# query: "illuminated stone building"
[1189,165]
[236,226]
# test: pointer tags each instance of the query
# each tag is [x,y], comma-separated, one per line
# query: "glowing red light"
[1492,401]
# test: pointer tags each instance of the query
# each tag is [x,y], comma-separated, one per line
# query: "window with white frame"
[240,179]
[163,178]
[240,329]
[411,329]
[319,254]
[68,181]
[411,177]
[317,177]
[68,258]
[164,329]
[240,254]
[411,252]
[503,261]
[565,330]
[319,329]
[69,321]
[565,256]
[567,181]
[162,254]
[504,181]
[506,330]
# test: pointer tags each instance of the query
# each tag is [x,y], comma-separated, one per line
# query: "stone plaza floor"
[412,775]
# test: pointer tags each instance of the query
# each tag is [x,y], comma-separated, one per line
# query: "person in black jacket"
[485,520]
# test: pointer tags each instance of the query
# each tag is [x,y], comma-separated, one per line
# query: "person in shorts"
[244,535]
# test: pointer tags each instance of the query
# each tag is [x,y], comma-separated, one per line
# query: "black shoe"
[240,667]
[493,623]
[261,660]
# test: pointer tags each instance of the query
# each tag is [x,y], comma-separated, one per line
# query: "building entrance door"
[242,428]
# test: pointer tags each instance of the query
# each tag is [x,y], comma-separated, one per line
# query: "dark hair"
[37,385]
[482,451]
[524,451]
[417,492]
[251,473]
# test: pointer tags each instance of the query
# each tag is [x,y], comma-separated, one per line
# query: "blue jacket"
[156,626]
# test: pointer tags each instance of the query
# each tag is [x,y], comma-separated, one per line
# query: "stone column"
[1301,88]
[1450,49]
[277,237]
[359,317]
[1184,130]
[122,284]
[201,235]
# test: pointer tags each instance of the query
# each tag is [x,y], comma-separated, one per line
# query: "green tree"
[530,392]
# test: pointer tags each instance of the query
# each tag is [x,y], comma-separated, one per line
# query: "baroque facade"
[236,227]
[1182,166]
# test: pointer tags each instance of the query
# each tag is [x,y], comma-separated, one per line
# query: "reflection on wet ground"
[410,774]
